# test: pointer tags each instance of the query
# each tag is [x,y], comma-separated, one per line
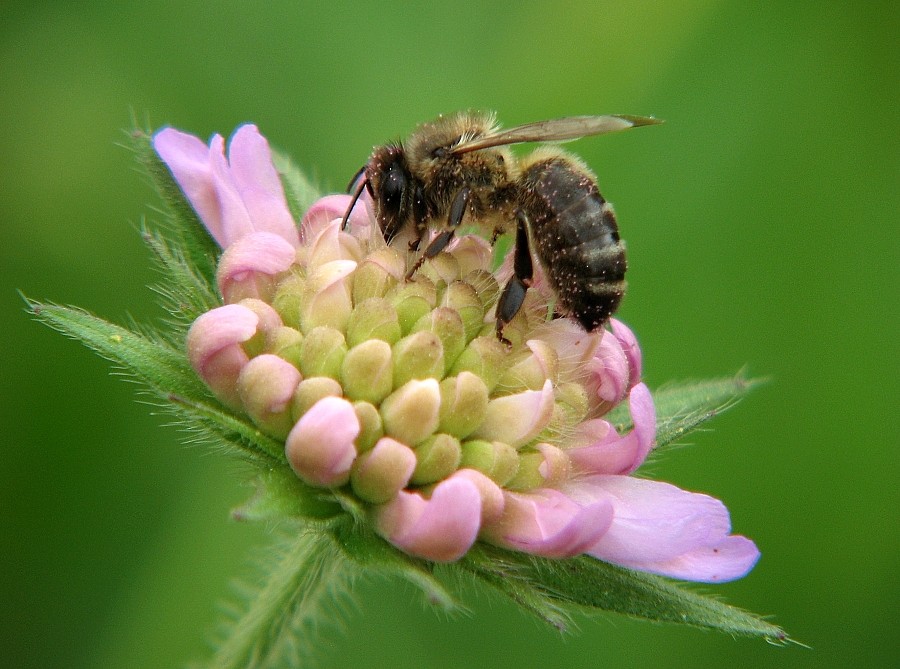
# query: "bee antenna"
[360,172]
[357,193]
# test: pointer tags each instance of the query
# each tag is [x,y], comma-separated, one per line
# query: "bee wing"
[555,130]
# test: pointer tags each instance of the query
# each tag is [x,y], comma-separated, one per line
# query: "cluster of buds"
[400,391]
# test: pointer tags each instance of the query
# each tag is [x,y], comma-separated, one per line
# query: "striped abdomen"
[576,237]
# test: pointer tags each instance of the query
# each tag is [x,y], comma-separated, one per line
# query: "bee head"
[391,185]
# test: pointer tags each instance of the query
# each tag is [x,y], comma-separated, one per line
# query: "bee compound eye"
[393,185]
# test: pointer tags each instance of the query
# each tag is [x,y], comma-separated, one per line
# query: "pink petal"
[492,499]
[662,529]
[187,158]
[259,185]
[330,208]
[546,522]
[214,348]
[320,448]
[255,256]
[732,558]
[232,198]
[609,370]
[234,217]
[441,528]
[610,453]
[630,347]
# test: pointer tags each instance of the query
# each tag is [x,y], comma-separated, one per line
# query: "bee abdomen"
[577,239]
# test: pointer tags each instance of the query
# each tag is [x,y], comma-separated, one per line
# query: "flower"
[235,196]
[399,392]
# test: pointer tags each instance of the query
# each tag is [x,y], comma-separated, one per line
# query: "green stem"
[300,598]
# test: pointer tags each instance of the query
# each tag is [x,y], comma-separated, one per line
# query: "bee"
[460,168]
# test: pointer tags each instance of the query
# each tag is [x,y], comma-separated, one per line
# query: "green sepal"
[195,242]
[281,494]
[505,572]
[221,429]
[185,293]
[299,191]
[553,589]
[305,590]
[363,547]
[683,406]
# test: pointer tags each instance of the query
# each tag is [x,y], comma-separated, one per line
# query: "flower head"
[398,391]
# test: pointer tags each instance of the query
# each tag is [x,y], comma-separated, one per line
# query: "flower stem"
[303,590]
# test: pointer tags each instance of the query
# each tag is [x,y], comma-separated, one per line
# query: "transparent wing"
[555,130]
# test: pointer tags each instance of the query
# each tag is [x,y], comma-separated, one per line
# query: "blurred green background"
[762,229]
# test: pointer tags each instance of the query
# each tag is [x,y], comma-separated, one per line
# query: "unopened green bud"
[448,326]
[572,400]
[289,298]
[472,253]
[377,274]
[418,356]
[269,320]
[556,465]
[374,318]
[461,297]
[514,332]
[411,413]
[322,353]
[486,287]
[380,473]
[436,458]
[412,300]
[534,364]
[370,427]
[367,373]
[286,343]
[441,269]
[310,391]
[484,357]
[464,401]
[327,296]
[543,466]
[496,460]
[528,476]
[266,386]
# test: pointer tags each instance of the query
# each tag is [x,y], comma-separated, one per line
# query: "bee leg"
[439,243]
[513,295]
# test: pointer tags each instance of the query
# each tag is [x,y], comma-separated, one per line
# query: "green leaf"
[298,189]
[682,407]
[194,241]
[166,372]
[365,548]
[155,363]
[592,585]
